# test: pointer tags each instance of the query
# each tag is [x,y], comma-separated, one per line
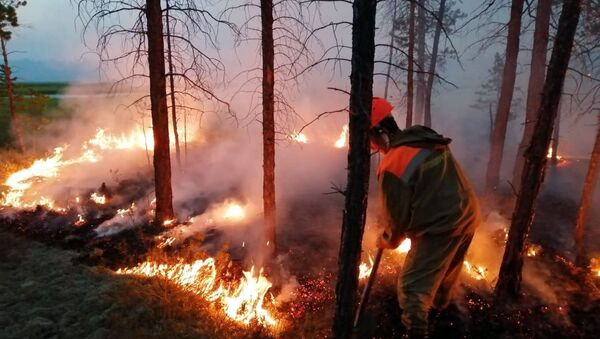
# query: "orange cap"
[381,109]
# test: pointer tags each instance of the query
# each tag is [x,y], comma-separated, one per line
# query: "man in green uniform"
[427,198]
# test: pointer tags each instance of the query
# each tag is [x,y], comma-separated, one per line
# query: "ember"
[533,250]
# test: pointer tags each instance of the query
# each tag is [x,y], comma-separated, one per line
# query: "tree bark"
[556,136]
[356,194]
[536,82]
[432,66]
[12,107]
[160,113]
[506,94]
[509,280]
[172,84]
[268,103]
[420,34]
[391,53]
[411,61]
[587,195]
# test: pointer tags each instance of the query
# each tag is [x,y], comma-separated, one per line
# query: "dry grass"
[12,161]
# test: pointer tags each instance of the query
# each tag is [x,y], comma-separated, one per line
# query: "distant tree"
[433,64]
[421,33]
[356,193]
[506,94]
[8,20]
[508,287]
[536,81]
[411,63]
[587,195]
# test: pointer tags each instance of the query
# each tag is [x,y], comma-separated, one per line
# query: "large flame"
[242,301]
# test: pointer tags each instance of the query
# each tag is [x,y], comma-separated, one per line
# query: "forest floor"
[56,282]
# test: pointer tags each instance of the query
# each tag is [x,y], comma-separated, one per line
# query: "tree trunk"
[509,280]
[556,136]
[268,103]
[536,82]
[172,84]
[434,55]
[586,198]
[506,94]
[356,194]
[411,61]
[420,94]
[12,107]
[160,113]
[391,53]
[491,114]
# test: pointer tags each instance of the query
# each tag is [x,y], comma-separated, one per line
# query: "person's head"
[383,125]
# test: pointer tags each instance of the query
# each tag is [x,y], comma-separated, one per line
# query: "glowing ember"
[595,266]
[404,246]
[242,301]
[476,272]
[98,198]
[80,221]
[364,270]
[343,139]
[533,250]
[233,211]
[549,154]
[299,137]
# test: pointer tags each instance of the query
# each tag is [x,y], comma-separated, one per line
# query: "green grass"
[47,88]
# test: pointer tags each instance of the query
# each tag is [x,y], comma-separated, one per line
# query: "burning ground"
[104,270]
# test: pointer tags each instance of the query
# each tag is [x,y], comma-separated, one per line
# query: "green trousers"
[430,272]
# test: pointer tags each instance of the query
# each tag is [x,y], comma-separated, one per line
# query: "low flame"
[549,154]
[364,269]
[476,272]
[98,198]
[404,246]
[533,250]
[242,301]
[342,141]
[299,137]
[595,266]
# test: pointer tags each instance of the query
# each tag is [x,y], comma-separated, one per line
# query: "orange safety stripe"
[397,159]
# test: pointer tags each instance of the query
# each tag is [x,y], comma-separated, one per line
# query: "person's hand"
[384,241]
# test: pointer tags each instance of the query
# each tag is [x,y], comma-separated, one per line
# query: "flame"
[135,139]
[98,198]
[533,250]
[233,211]
[343,139]
[476,272]
[404,246]
[299,137]
[169,222]
[364,269]
[595,266]
[549,154]
[80,220]
[243,301]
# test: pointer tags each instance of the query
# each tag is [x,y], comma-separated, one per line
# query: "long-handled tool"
[364,298]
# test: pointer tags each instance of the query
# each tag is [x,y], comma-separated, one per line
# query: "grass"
[46,88]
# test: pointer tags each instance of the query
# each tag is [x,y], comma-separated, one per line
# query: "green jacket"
[424,190]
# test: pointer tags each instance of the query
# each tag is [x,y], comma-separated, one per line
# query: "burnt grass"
[308,243]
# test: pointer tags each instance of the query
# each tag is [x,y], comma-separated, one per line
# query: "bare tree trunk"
[556,136]
[160,113]
[12,107]
[536,82]
[434,55]
[268,102]
[356,194]
[172,84]
[185,140]
[586,199]
[391,53]
[509,280]
[506,94]
[420,94]
[411,61]
[491,114]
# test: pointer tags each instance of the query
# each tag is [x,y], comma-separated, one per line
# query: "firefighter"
[427,198]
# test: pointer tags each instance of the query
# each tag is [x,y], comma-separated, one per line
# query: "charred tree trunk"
[434,55]
[509,280]
[420,94]
[172,84]
[268,103]
[536,81]
[355,207]
[411,62]
[391,54]
[160,113]
[12,106]
[506,94]
[556,136]
[586,199]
